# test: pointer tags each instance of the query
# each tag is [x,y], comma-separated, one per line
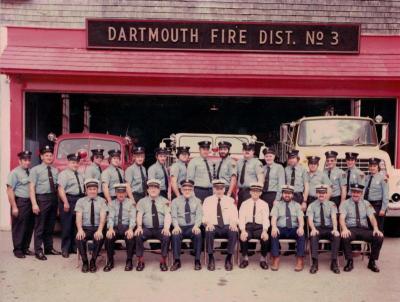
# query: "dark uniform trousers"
[221,232]
[202,193]
[22,225]
[152,233]
[254,232]
[164,193]
[298,197]
[269,197]
[45,221]
[288,233]
[186,234]
[365,235]
[311,199]
[138,196]
[120,234]
[377,204]
[325,233]
[82,244]
[68,225]
[243,195]
[336,200]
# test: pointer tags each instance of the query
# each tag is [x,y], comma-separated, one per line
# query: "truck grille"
[362,164]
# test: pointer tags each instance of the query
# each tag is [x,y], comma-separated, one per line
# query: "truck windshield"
[337,132]
[69,146]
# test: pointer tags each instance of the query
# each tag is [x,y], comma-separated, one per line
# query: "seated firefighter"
[220,216]
[153,222]
[254,224]
[354,215]
[121,222]
[91,212]
[287,222]
[322,219]
[187,214]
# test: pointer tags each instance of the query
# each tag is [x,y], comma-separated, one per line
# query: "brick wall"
[376,17]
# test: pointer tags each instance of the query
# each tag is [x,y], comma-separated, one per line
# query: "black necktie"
[121,180]
[254,213]
[266,182]
[288,217]
[143,179]
[101,171]
[366,194]
[208,170]
[187,211]
[27,171]
[120,216]
[156,223]
[243,172]
[165,177]
[348,181]
[322,216]
[293,176]
[329,174]
[358,220]
[219,167]
[79,183]
[220,219]
[92,212]
[51,180]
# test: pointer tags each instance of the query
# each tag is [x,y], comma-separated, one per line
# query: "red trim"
[396,161]
[16,119]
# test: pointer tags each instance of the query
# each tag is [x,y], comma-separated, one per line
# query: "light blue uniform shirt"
[254,167]
[276,179]
[179,171]
[83,205]
[356,177]
[67,180]
[348,209]
[40,178]
[227,168]
[197,172]
[156,172]
[18,180]
[128,213]
[144,207]
[134,177]
[379,189]
[93,172]
[111,178]
[315,179]
[178,211]
[314,211]
[299,177]
[337,180]
[279,211]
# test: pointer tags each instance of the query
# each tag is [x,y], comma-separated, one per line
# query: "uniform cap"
[97,152]
[351,155]
[114,153]
[204,144]
[256,186]
[46,149]
[293,153]
[321,188]
[329,154]
[313,159]
[187,183]
[91,182]
[182,149]
[248,146]
[269,150]
[288,188]
[154,183]
[218,182]
[374,161]
[25,154]
[119,188]
[224,144]
[73,157]
[357,187]
[138,150]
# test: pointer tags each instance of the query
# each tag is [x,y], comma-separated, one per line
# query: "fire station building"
[128,66]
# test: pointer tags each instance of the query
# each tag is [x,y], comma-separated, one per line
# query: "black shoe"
[349,266]
[128,265]
[197,265]
[314,266]
[109,266]
[140,266]
[19,254]
[85,267]
[92,266]
[65,254]
[228,265]
[175,266]
[244,264]
[40,256]
[264,264]
[335,267]
[163,267]
[29,253]
[52,252]
[372,266]
[211,264]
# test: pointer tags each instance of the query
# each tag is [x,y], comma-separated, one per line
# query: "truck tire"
[392,226]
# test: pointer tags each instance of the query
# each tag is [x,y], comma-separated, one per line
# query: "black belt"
[22,198]
[46,195]
[75,196]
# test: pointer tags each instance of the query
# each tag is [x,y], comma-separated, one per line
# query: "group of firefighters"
[194,199]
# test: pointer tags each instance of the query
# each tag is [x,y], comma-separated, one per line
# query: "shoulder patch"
[234,164]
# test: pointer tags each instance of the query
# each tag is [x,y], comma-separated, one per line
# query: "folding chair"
[78,256]
[220,240]
[322,243]
[255,250]
[365,248]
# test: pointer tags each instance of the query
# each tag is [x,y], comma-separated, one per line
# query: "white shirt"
[246,213]
[229,210]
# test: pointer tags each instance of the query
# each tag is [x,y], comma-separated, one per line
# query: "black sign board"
[223,36]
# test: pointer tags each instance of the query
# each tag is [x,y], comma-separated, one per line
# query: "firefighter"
[353,175]
[178,170]
[226,168]
[314,177]
[93,171]
[159,171]
[335,176]
[136,174]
